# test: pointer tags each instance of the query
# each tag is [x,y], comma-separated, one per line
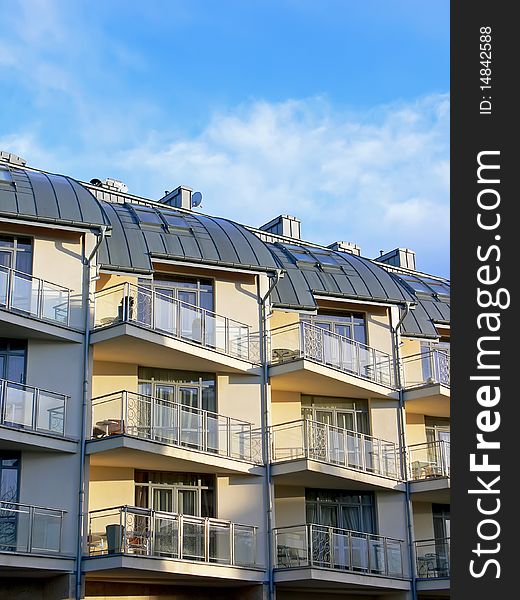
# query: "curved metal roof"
[141,233]
[48,198]
[318,271]
[433,304]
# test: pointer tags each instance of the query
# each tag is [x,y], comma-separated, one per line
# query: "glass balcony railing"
[30,529]
[34,297]
[339,549]
[319,441]
[432,558]
[171,423]
[426,368]
[32,409]
[145,532]
[429,460]
[149,308]
[303,340]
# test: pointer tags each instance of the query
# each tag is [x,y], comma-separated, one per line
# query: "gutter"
[87,262]
[265,424]
[402,442]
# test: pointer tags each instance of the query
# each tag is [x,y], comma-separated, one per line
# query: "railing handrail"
[341,530]
[30,276]
[419,355]
[151,512]
[302,324]
[151,291]
[333,427]
[34,388]
[124,393]
[33,506]
[426,444]
[443,540]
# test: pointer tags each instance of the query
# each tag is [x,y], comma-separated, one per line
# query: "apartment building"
[190,407]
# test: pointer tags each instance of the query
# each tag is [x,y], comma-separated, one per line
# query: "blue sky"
[335,111]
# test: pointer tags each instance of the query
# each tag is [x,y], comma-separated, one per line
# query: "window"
[174,220]
[299,254]
[193,390]
[15,253]
[191,290]
[182,493]
[339,412]
[326,259]
[349,324]
[6,179]
[12,360]
[146,215]
[9,490]
[342,509]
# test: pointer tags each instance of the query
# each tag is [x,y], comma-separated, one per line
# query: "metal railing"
[429,460]
[154,310]
[25,528]
[326,547]
[33,409]
[146,532]
[28,295]
[426,368]
[304,340]
[319,441]
[172,423]
[433,558]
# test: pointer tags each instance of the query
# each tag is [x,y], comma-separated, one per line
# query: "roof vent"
[285,225]
[349,247]
[399,257]
[182,197]
[114,185]
[12,159]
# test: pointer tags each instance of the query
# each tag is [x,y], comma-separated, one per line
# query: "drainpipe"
[266,423]
[402,442]
[87,262]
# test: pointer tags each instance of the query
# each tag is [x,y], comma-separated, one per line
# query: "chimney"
[349,247]
[179,198]
[12,159]
[113,185]
[285,225]
[400,257]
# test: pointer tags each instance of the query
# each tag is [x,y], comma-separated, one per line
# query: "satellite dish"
[196,199]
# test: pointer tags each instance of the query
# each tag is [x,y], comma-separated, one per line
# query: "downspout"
[266,423]
[402,443]
[87,262]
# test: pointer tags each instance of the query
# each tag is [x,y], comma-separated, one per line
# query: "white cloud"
[380,179]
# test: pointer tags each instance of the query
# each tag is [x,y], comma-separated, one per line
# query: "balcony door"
[9,490]
[16,253]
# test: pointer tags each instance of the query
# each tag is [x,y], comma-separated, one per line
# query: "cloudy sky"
[335,111]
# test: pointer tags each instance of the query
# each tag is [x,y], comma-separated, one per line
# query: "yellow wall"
[111,486]
[422,521]
[415,429]
[285,406]
[289,506]
[109,377]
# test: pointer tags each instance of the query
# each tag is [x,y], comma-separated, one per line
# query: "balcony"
[32,417]
[148,432]
[433,565]
[139,324]
[307,357]
[429,471]
[314,454]
[31,538]
[426,380]
[188,547]
[317,555]
[25,299]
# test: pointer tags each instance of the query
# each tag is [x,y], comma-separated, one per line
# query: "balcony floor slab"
[314,378]
[13,564]
[437,588]
[138,568]
[122,450]
[432,400]
[17,325]
[312,473]
[316,579]
[12,438]
[436,490]
[133,344]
